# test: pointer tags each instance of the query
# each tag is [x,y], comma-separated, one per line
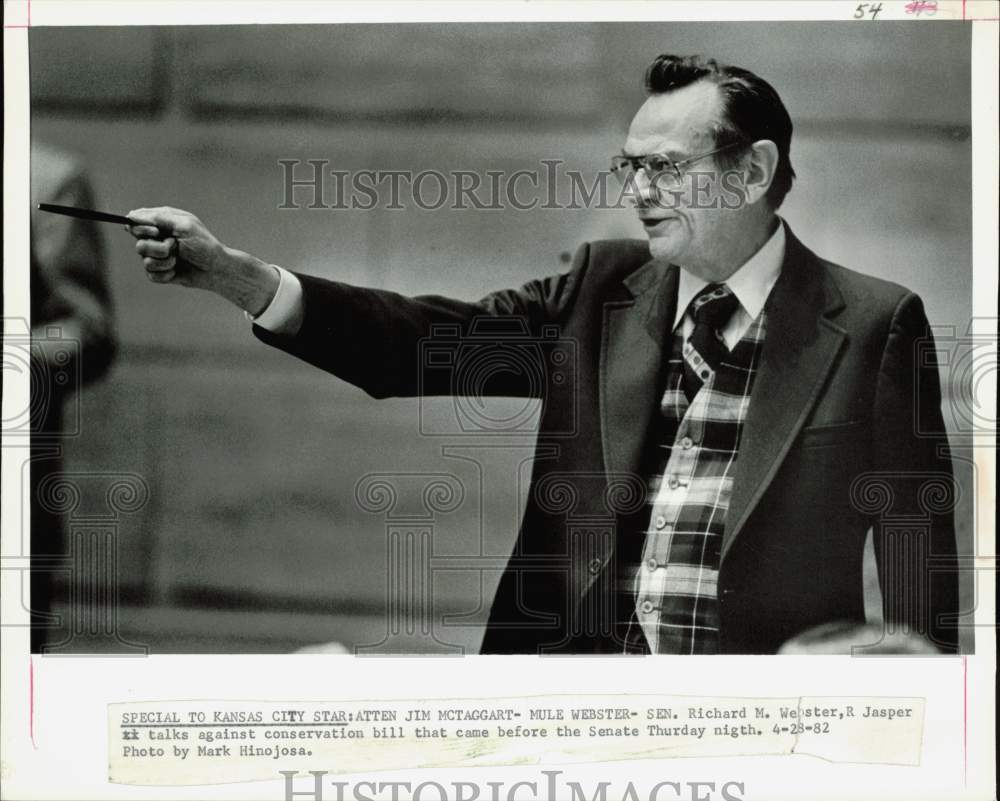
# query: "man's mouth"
[656,224]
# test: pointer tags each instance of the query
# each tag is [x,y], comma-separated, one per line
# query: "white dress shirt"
[751,284]
[284,313]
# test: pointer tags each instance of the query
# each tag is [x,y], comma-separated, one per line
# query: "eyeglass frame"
[634,162]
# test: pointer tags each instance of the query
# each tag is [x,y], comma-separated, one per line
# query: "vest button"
[647,607]
[652,564]
[595,566]
[673,483]
[661,522]
[687,443]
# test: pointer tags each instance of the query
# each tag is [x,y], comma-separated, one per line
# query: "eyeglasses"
[660,169]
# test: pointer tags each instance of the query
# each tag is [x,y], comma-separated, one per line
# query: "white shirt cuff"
[284,313]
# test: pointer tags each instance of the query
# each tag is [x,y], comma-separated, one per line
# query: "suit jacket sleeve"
[379,340]
[915,536]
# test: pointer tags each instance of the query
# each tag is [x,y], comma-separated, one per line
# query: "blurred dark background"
[252,538]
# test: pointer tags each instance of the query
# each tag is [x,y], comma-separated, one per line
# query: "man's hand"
[177,248]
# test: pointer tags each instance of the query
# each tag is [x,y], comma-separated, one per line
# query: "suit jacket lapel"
[635,332]
[799,349]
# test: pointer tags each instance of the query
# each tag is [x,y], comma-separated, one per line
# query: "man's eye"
[657,163]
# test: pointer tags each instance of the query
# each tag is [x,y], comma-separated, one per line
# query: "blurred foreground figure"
[72,344]
[846,638]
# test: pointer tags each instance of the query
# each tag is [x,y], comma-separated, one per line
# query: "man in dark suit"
[737,415]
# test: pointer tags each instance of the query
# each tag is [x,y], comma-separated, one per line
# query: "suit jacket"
[844,432]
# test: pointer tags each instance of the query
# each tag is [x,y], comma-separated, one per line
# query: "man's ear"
[761,168]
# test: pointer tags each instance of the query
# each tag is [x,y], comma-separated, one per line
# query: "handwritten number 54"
[870,9]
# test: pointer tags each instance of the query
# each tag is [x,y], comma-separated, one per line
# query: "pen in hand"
[85,214]
[90,214]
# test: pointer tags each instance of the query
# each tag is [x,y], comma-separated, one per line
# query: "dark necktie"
[704,350]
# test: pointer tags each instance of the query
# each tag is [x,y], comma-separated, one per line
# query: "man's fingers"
[144,231]
[157,249]
[164,277]
[164,218]
[156,217]
[159,265]
[159,233]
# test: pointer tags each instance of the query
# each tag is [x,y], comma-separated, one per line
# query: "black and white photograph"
[556,338]
[442,215]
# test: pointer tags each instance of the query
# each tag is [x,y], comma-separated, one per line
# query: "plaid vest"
[668,576]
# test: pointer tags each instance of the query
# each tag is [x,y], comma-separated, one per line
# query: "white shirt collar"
[751,283]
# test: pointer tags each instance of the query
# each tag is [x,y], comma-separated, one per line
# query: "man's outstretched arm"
[372,338]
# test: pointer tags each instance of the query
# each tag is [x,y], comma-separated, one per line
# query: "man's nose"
[641,189]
